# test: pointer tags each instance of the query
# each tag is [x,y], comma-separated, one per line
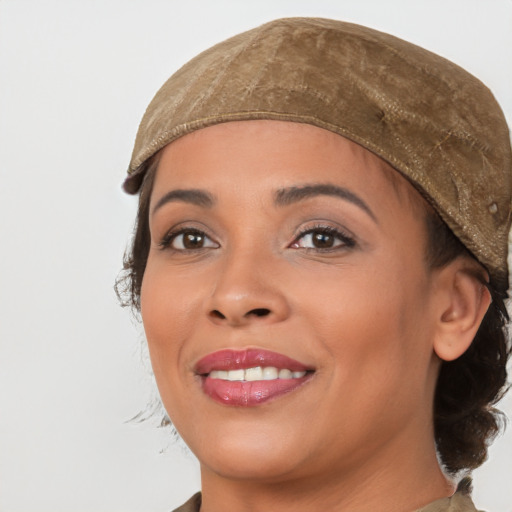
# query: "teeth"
[270,373]
[236,374]
[285,374]
[219,374]
[256,373]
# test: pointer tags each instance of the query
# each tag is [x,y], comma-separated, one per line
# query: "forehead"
[259,155]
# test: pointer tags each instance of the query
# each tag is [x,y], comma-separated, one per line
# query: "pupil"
[193,241]
[323,240]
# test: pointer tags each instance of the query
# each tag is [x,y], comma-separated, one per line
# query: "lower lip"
[249,394]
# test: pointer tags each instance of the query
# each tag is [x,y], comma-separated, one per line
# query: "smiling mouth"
[250,377]
[256,373]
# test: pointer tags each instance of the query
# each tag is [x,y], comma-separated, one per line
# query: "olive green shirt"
[459,502]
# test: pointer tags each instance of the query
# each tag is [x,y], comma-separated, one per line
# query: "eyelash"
[168,239]
[347,241]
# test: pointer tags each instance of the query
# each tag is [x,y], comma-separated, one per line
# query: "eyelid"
[348,240]
[166,241]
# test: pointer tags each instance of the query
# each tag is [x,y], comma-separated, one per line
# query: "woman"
[320,265]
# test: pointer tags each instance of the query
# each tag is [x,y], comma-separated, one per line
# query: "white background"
[75,78]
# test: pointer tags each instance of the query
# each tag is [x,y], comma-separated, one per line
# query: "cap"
[435,123]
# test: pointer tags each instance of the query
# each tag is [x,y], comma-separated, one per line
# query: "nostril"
[215,314]
[259,312]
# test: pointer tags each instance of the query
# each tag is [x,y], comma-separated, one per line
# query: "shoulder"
[192,505]
[460,502]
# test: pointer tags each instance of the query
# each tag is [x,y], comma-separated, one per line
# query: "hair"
[129,281]
[465,420]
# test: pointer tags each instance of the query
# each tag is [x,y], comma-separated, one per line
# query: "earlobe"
[465,302]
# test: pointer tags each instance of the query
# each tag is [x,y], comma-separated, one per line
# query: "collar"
[459,502]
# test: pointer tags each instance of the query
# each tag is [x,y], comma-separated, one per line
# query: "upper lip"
[229,359]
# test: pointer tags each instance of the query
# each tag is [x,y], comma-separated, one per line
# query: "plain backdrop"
[75,78]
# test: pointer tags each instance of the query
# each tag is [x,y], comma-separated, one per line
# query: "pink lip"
[242,393]
[249,358]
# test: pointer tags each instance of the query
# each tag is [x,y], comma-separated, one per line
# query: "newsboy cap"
[435,123]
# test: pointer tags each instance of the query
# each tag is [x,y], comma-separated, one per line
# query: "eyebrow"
[192,196]
[290,195]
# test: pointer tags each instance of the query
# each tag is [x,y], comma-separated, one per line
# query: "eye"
[323,238]
[187,239]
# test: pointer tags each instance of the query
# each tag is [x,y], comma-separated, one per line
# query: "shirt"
[459,502]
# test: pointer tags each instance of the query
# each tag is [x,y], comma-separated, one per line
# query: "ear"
[463,302]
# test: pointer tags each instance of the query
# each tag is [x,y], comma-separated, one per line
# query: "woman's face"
[284,246]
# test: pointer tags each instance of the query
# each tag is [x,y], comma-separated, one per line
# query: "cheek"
[372,320]
[168,309]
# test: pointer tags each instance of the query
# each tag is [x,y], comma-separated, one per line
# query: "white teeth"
[236,375]
[256,373]
[270,373]
[285,374]
[219,374]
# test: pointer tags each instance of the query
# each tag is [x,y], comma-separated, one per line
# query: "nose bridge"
[246,290]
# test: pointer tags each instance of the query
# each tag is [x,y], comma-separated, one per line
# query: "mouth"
[250,377]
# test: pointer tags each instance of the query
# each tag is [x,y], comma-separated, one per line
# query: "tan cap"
[431,120]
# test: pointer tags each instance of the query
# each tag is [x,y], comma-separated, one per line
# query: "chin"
[254,467]
[253,455]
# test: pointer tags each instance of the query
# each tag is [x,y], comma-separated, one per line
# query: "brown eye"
[192,240]
[189,240]
[322,240]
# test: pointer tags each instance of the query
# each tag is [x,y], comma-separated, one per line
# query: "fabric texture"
[459,502]
[192,505]
[432,121]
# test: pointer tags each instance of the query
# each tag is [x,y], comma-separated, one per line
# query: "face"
[286,303]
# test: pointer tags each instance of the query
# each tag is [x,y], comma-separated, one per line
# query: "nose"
[247,291]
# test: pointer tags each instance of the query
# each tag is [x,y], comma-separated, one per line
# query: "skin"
[367,315]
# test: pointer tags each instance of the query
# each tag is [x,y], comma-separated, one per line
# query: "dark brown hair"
[465,420]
